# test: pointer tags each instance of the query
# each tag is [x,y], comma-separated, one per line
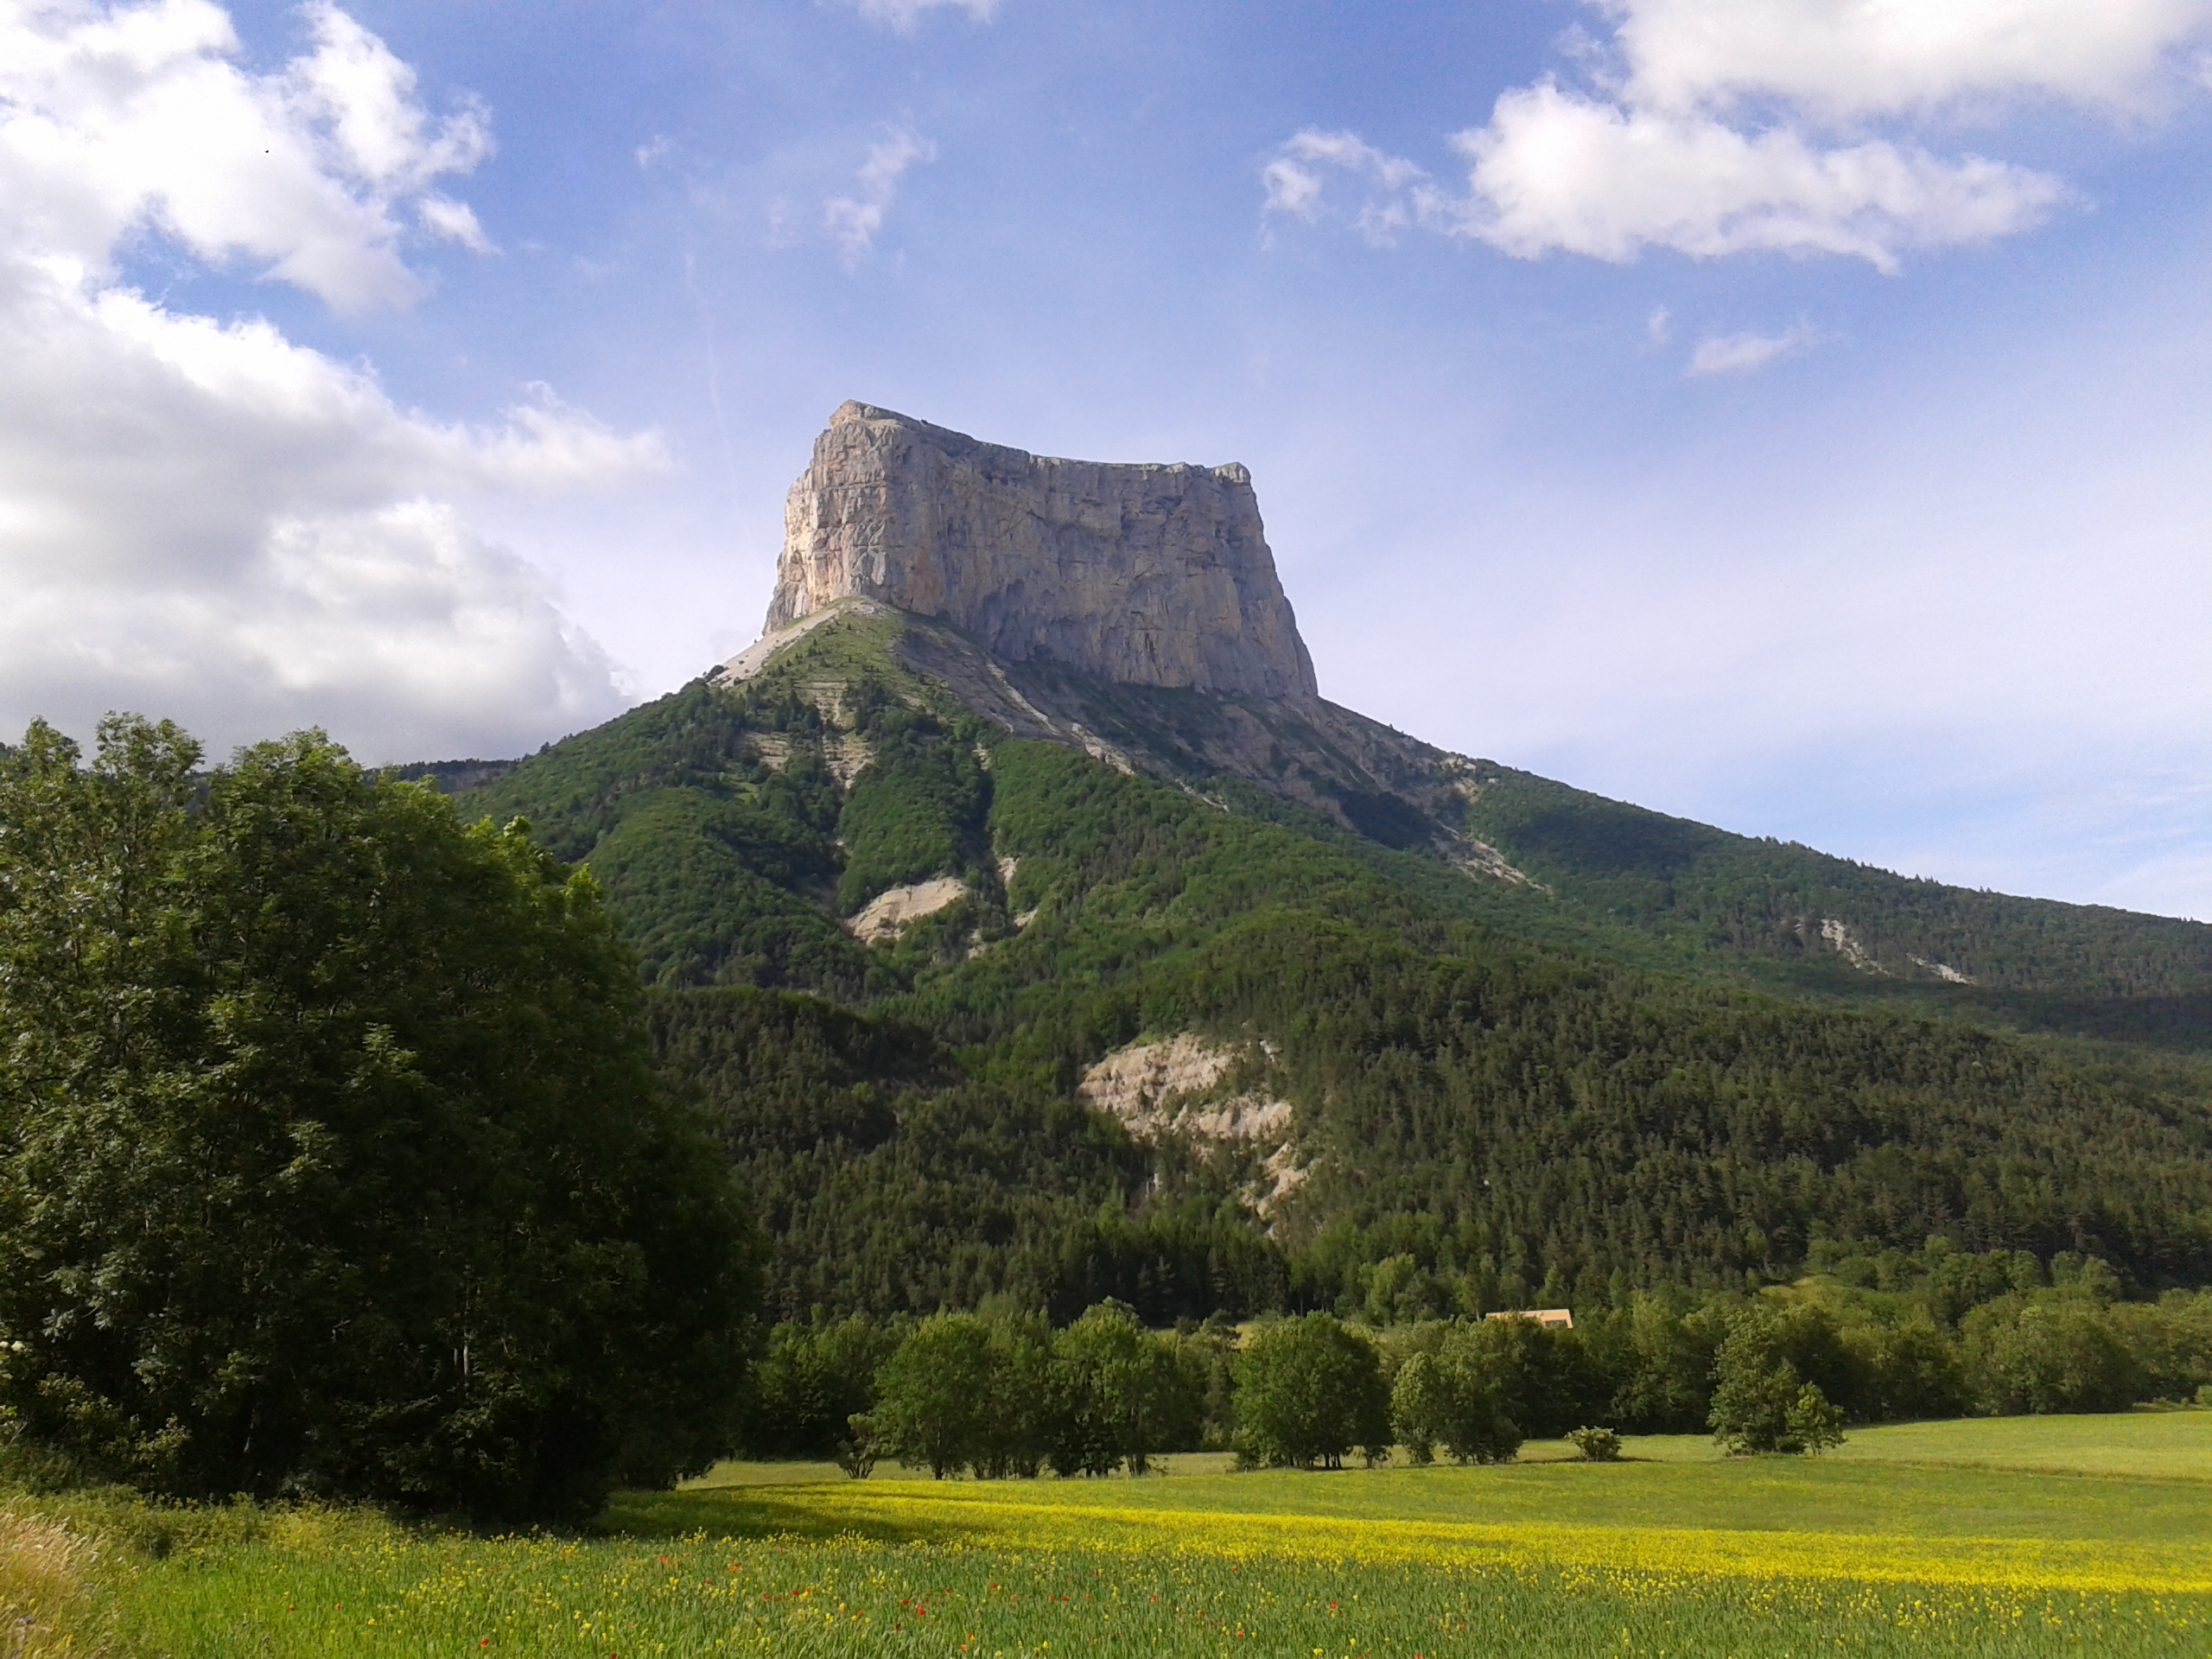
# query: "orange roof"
[1551,1318]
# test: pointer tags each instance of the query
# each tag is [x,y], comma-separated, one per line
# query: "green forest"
[1637,1070]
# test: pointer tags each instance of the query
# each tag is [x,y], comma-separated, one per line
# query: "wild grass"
[45,1597]
[1904,1548]
[2150,1443]
[852,1595]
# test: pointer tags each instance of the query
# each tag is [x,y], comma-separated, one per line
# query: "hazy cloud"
[205,518]
[1396,194]
[905,16]
[1742,353]
[854,219]
[1721,131]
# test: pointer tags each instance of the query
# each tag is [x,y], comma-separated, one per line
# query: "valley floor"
[2018,1536]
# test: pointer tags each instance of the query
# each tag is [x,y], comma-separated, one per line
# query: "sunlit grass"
[1772,1557]
[396,1595]
[46,1600]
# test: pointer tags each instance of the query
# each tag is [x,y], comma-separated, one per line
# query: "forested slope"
[2036,963]
[1621,1072]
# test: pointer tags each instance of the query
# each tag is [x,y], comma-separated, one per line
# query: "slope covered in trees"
[1501,1091]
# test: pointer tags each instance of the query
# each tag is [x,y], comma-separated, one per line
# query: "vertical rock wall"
[1149,576]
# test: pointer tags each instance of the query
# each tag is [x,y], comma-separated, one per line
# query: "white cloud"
[454,221]
[115,119]
[1744,352]
[1659,327]
[206,519]
[1398,193]
[1556,170]
[1729,129]
[1846,59]
[905,16]
[855,219]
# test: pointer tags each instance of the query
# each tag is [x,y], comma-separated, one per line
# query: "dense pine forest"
[1637,1062]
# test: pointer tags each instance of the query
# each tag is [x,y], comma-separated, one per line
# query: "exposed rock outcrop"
[1156,576]
[895,910]
[1166,1087]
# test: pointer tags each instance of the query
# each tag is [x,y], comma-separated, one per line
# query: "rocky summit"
[1153,576]
[1030,931]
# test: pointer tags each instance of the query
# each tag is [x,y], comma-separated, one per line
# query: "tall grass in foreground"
[357,1586]
[46,1600]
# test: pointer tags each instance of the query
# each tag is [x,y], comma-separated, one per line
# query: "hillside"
[1132,1019]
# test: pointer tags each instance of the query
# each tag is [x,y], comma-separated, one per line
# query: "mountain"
[1033,927]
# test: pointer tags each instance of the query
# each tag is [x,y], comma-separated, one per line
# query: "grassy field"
[2080,1536]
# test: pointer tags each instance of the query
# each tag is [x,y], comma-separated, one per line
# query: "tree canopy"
[332,1161]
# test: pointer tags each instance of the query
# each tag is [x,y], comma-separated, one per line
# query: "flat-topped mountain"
[1137,575]
[1032,929]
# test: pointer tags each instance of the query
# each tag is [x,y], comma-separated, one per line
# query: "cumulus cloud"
[205,518]
[1756,127]
[1744,352]
[1557,170]
[905,16]
[1841,59]
[854,219]
[115,119]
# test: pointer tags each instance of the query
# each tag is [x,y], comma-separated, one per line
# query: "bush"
[1596,1444]
[856,1449]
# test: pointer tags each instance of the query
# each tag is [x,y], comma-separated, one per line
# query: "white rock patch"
[1943,971]
[1135,1084]
[756,656]
[1157,1089]
[892,912]
[1839,934]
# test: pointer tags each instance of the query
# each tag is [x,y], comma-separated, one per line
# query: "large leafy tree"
[1308,1391]
[1119,1394]
[331,1160]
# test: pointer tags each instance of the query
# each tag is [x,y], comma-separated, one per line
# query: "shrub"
[1596,1444]
[856,1451]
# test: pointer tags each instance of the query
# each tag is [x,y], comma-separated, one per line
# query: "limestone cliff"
[1157,576]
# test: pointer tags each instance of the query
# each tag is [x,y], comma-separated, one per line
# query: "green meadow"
[2087,1535]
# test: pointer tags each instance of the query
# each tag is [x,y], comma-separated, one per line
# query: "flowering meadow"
[1488,1562]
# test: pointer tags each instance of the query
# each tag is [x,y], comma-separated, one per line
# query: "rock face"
[1144,574]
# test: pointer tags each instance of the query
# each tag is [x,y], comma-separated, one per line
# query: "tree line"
[1002,1393]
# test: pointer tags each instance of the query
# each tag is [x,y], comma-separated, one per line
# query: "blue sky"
[1792,414]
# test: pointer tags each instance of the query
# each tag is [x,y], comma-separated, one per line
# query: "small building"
[1551,1318]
